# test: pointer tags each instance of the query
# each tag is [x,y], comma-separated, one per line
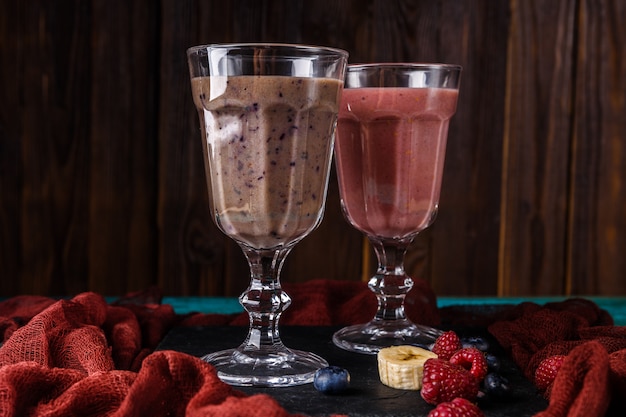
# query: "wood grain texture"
[48,210]
[11,77]
[122,146]
[597,223]
[102,184]
[464,238]
[537,147]
[191,249]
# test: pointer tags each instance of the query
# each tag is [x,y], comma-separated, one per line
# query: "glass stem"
[264,299]
[391,283]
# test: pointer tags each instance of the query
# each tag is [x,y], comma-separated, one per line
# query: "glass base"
[283,368]
[370,337]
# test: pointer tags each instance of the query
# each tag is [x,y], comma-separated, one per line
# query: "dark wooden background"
[101,177]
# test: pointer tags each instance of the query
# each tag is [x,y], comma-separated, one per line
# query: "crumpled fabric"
[592,379]
[82,356]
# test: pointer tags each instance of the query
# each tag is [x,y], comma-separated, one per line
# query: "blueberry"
[496,386]
[477,342]
[493,362]
[331,380]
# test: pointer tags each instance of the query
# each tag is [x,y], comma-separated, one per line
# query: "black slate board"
[367,396]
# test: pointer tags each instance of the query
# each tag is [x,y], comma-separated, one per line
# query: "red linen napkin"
[592,379]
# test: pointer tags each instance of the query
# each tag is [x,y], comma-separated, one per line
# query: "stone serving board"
[367,397]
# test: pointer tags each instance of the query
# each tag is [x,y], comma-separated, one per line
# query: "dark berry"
[331,380]
[493,362]
[477,342]
[496,386]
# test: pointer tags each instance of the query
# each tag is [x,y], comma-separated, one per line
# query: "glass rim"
[268,45]
[404,66]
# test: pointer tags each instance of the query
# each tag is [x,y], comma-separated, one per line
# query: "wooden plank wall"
[101,177]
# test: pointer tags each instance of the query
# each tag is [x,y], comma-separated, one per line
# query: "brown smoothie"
[267,146]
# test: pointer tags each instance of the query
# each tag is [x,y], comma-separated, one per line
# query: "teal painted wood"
[616,306]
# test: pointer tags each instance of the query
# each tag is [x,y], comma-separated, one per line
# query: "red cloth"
[86,357]
[592,380]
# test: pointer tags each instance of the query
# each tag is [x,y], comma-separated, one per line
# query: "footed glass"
[390,149]
[268,115]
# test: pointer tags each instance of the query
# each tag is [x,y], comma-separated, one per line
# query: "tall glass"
[390,148]
[268,115]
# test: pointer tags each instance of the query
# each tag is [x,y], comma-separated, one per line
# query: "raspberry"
[459,407]
[473,360]
[446,345]
[444,381]
[547,370]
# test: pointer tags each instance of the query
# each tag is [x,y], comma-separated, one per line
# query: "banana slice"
[402,367]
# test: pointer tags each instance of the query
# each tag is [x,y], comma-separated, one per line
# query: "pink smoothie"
[268,141]
[390,151]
